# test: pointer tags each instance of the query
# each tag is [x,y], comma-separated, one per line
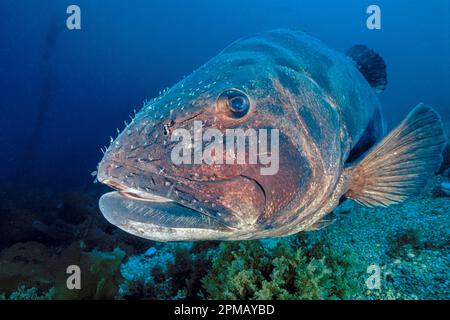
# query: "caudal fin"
[400,165]
[370,64]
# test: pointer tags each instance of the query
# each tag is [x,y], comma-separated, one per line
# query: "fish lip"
[147,221]
[137,195]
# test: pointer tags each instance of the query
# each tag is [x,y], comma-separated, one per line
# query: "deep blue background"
[63,93]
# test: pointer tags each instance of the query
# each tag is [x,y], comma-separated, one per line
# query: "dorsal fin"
[370,64]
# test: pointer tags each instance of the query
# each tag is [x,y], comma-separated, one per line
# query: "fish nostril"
[166,130]
[167,126]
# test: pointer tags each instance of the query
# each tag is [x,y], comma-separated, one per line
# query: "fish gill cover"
[68,85]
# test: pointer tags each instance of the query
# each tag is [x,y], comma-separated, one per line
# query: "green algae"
[292,270]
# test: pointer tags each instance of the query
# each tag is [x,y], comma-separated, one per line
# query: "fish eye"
[236,102]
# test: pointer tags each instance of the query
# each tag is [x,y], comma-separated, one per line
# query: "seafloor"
[408,245]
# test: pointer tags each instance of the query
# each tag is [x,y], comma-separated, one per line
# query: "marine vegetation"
[174,272]
[33,271]
[24,293]
[409,242]
[292,269]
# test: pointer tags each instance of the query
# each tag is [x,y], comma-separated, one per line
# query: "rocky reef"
[408,243]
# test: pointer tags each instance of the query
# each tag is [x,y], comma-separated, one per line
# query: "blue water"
[63,93]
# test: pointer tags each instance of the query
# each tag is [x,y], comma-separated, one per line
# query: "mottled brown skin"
[296,85]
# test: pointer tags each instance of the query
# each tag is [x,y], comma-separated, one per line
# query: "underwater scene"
[225,150]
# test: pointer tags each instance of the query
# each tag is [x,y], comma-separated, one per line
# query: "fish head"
[179,176]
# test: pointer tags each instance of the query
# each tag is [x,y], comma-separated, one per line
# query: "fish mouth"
[135,194]
[159,218]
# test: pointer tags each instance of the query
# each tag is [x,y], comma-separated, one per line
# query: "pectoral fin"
[400,165]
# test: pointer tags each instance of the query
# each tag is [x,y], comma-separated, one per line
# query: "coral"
[294,269]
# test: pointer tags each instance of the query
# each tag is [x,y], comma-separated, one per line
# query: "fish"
[330,145]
